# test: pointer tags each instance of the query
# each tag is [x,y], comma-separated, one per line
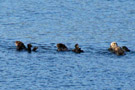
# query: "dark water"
[93,24]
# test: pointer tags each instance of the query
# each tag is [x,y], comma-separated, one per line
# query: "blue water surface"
[93,24]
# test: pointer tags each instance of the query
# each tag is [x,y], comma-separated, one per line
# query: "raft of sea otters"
[114,48]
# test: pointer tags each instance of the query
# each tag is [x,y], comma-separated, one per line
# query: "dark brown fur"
[61,47]
[35,48]
[20,45]
[77,49]
[29,47]
[125,49]
[114,48]
[119,51]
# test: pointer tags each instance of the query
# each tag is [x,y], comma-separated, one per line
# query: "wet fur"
[20,46]
[61,47]
[77,49]
[114,48]
[125,49]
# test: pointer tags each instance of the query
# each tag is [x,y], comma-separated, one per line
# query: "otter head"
[29,45]
[18,43]
[113,45]
[76,46]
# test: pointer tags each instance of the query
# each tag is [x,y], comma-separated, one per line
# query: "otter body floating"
[77,49]
[20,46]
[116,49]
[62,47]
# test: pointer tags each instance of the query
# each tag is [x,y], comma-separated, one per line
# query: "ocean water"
[93,24]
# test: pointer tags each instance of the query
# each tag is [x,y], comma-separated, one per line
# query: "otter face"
[114,45]
[18,43]
[76,46]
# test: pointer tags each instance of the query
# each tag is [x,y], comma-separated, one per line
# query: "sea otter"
[61,47]
[77,49]
[20,45]
[116,49]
